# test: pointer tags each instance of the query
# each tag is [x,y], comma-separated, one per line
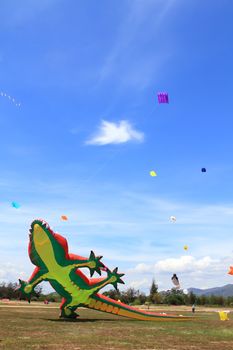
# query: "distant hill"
[225,291]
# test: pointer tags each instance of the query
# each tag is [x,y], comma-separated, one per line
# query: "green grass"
[39,327]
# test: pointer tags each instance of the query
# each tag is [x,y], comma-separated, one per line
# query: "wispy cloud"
[125,62]
[115,133]
[13,15]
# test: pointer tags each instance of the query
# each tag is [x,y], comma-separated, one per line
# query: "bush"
[174,297]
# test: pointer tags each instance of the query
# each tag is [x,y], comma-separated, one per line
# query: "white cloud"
[9,271]
[142,268]
[199,272]
[140,283]
[183,264]
[115,133]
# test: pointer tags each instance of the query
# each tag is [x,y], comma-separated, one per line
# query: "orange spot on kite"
[64,217]
[230,272]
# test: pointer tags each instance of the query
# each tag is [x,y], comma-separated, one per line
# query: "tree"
[38,291]
[202,300]
[8,290]
[113,294]
[153,292]
[192,298]
[140,299]
[129,295]
[174,297]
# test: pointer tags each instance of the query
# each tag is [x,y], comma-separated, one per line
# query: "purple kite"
[163,97]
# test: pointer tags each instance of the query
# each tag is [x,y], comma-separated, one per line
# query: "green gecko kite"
[48,251]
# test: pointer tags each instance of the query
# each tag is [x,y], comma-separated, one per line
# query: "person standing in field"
[193,308]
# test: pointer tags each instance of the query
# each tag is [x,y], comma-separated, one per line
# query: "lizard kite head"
[40,232]
[46,246]
[49,250]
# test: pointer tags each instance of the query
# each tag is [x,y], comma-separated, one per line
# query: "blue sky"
[89,130]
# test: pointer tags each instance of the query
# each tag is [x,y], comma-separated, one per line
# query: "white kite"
[172,218]
[175,281]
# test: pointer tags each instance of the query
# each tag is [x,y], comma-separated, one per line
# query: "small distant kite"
[153,173]
[175,281]
[15,205]
[223,315]
[163,97]
[12,99]
[173,219]
[64,217]
[203,170]
[186,247]
[230,272]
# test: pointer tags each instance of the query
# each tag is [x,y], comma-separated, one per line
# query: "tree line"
[131,296]
[169,297]
[9,291]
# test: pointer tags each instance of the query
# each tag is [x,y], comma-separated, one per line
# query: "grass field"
[37,326]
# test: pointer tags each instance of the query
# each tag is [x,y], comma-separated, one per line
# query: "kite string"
[17,104]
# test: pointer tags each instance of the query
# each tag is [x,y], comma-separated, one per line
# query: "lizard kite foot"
[25,289]
[68,313]
[115,277]
[96,264]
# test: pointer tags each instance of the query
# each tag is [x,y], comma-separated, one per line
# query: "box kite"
[163,97]
[48,251]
